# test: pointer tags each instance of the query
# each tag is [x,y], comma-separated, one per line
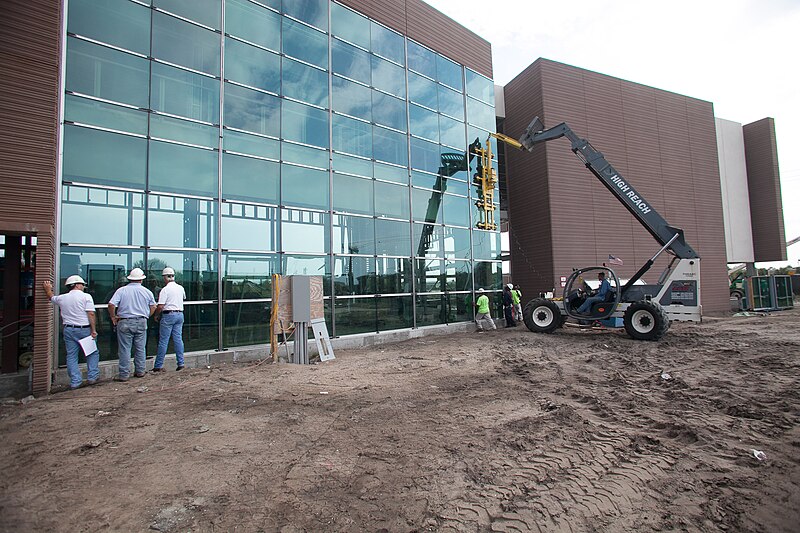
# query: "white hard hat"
[510,286]
[72,280]
[136,274]
[168,272]
[480,290]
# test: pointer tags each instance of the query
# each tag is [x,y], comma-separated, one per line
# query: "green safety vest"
[515,297]
[483,304]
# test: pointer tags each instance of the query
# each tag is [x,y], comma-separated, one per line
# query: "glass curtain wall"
[235,139]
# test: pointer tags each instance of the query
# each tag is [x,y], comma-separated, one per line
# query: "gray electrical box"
[301,299]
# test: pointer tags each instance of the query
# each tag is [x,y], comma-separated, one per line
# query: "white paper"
[88,345]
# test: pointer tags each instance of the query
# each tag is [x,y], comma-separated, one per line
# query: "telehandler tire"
[542,316]
[646,321]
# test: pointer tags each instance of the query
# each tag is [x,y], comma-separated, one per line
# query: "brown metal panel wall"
[529,201]
[29,91]
[764,186]
[663,143]
[430,27]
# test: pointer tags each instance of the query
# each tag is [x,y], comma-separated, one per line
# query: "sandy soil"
[505,431]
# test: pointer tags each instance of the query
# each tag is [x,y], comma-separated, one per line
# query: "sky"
[742,55]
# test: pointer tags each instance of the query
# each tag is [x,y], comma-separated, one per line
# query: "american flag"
[614,260]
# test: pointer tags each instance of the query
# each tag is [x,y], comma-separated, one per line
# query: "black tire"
[542,316]
[646,321]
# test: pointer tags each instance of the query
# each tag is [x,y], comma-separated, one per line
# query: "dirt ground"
[503,431]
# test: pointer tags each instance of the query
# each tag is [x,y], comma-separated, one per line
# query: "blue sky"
[742,55]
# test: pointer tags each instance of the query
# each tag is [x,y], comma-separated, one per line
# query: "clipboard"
[88,345]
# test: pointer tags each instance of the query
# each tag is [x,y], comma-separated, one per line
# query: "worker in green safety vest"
[482,312]
[516,295]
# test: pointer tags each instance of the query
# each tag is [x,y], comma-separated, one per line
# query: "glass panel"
[305,43]
[388,77]
[390,173]
[304,187]
[425,124]
[486,244]
[458,275]
[353,235]
[426,205]
[244,143]
[355,315]
[456,242]
[200,329]
[304,124]
[394,275]
[108,158]
[421,59]
[390,146]
[349,25]
[351,62]
[392,238]
[248,276]
[391,200]
[452,133]
[351,98]
[164,127]
[459,308]
[175,222]
[387,43]
[481,115]
[304,232]
[423,91]
[352,195]
[449,73]
[245,178]
[85,111]
[103,269]
[489,275]
[352,165]
[122,24]
[254,23]
[249,227]
[395,312]
[430,275]
[252,111]
[196,271]
[451,103]
[246,323]
[185,44]
[431,310]
[314,12]
[309,265]
[428,240]
[480,87]
[425,155]
[99,216]
[205,12]
[305,83]
[456,210]
[99,71]
[252,66]
[352,136]
[425,179]
[183,93]
[389,111]
[183,169]
[353,275]
[305,155]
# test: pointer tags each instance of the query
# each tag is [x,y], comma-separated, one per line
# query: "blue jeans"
[171,325]
[131,331]
[585,306]
[71,338]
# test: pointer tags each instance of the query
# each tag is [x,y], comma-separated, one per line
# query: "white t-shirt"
[74,306]
[172,297]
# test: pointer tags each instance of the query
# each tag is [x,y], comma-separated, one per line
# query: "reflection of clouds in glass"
[388,77]
[350,61]
[305,83]
[424,123]
[252,111]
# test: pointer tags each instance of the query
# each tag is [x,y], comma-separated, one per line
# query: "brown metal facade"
[30,33]
[764,187]
[432,28]
[563,218]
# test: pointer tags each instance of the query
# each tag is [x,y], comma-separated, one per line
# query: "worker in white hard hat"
[77,314]
[129,308]
[508,306]
[517,294]
[515,306]
[482,311]
[169,315]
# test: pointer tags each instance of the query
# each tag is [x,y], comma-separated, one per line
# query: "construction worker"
[482,311]
[77,314]
[600,295]
[516,310]
[129,309]
[169,315]
[508,306]
[518,301]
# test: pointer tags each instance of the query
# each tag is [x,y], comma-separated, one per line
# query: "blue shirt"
[605,286]
[133,301]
